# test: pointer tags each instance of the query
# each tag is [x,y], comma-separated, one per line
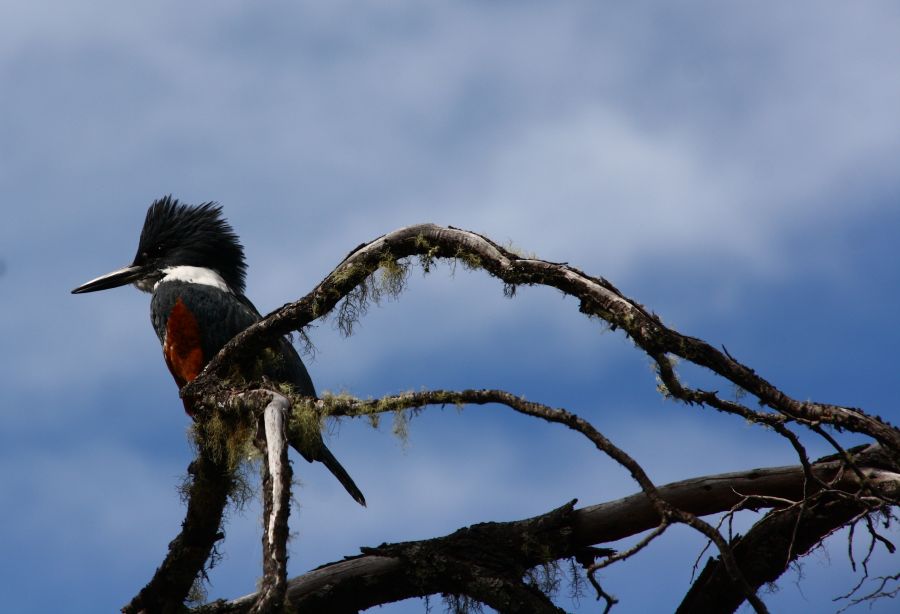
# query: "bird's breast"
[183,347]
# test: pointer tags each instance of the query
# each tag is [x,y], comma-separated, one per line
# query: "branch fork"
[829,494]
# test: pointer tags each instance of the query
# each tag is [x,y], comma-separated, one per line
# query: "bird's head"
[183,241]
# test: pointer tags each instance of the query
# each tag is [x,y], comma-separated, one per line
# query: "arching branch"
[597,297]
[666,513]
[737,494]
[351,285]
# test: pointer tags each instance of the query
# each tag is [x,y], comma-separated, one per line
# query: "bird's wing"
[287,366]
[234,313]
[290,368]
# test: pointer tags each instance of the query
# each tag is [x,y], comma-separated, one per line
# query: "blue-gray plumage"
[232,315]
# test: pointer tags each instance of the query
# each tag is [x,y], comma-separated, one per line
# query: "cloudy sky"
[733,167]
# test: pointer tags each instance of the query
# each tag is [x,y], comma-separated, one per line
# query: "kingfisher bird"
[192,262]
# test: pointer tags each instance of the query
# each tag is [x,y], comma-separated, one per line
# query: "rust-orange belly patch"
[182,349]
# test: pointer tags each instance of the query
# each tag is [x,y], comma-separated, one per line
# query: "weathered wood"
[398,571]
[767,550]
[350,282]
[276,484]
[597,296]
[211,482]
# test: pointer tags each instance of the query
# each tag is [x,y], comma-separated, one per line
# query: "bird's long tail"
[328,459]
[316,450]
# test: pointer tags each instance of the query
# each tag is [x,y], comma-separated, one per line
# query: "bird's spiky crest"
[193,235]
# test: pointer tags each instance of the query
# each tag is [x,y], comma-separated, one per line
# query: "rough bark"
[349,288]
[211,482]
[503,551]
[276,484]
[767,550]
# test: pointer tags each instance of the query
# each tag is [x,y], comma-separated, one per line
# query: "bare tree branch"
[597,296]
[388,573]
[272,441]
[211,483]
[767,550]
[666,512]
[350,287]
[886,587]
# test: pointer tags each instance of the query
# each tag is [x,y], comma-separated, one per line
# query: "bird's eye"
[158,249]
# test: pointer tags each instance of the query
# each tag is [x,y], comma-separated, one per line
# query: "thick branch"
[666,512]
[767,550]
[398,571]
[210,485]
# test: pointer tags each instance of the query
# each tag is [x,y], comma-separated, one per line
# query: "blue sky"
[733,167]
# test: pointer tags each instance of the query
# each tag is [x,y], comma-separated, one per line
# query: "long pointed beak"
[111,280]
